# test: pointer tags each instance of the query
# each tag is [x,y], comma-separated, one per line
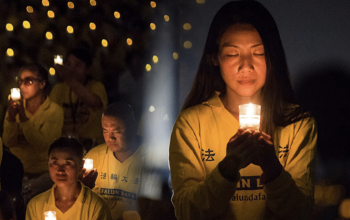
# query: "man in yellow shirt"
[69,198]
[124,173]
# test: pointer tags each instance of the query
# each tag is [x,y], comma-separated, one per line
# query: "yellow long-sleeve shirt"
[30,140]
[88,206]
[198,144]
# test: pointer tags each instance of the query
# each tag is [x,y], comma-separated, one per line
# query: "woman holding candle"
[33,122]
[220,171]
[68,198]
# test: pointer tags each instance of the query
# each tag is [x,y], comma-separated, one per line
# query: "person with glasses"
[32,123]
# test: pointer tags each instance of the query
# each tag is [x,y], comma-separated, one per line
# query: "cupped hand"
[21,111]
[89,177]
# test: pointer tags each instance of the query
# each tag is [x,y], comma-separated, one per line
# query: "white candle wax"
[58,59]
[15,94]
[249,116]
[50,215]
[88,164]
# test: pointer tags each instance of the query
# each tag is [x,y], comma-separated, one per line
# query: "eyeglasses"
[28,81]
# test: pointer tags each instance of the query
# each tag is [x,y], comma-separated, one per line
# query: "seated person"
[69,198]
[124,171]
[82,98]
[31,124]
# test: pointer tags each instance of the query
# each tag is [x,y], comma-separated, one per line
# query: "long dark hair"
[277,93]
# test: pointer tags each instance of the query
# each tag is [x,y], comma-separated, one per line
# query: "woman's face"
[64,167]
[30,84]
[241,59]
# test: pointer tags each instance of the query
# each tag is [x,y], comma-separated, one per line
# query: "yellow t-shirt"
[198,144]
[80,120]
[30,140]
[88,206]
[120,184]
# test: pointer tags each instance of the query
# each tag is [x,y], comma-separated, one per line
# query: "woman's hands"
[15,108]
[254,147]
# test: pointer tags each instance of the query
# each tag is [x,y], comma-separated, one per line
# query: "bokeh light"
[49,35]
[10,52]
[70,29]
[52,71]
[9,27]
[70,5]
[29,9]
[129,41]
[46,3]
[50,14]
[152,26]
[148,67]
[151,108]
[187,26]
[187,44]
[344,209]
[93,2]
[200,1]
[104,43]
[155,59]
[166,18]
[153,4]
[175,56]
[92,26]
[26,24]
[117,14]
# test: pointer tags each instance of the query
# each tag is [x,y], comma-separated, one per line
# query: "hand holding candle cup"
[249,116]
[15,94]
[58,59]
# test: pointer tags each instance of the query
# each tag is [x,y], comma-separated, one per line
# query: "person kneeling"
[68,197]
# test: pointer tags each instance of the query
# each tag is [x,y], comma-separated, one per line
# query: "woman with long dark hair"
[220,171]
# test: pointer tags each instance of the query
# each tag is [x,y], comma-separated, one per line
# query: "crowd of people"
[219,170]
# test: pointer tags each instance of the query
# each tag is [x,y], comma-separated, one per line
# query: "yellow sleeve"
[55,94]
[31,211]
[101,211]
[291,195]
[197,194]
[9,134]
[49,131]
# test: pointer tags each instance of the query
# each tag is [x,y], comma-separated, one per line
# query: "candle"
[88,164]
[15,94]
[249,116]
[58,59]
[50,215]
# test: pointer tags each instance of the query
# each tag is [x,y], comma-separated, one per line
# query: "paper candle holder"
[249,116]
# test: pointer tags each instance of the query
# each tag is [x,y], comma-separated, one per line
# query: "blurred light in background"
[45,3]
[175,56]
[9,52]
[200,1]
[148,67]
[187,26]
[70,5]
[50,14]
[129,41]
[70,29]
[9,27]
[26,24]
[30,9]
[104,43]
[92,2]
[155,59]
[187,44]
[328,195]
[117,14]
[49,35]
[166,18]
[52,71]
[92,26]
[152,26]
[153,4]
[151,108]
